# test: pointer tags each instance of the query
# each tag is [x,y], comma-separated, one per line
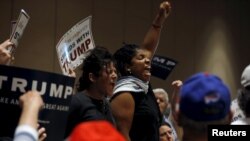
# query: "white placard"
[74,45]
[18,29]
[13,25]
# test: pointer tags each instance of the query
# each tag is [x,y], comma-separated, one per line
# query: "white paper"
[13,25]
[19,28]
[75,45]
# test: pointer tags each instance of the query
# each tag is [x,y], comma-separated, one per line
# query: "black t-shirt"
[84,108]
[147,117]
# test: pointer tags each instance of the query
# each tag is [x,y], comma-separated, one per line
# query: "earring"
[129,71]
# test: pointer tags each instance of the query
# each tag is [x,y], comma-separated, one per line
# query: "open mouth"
[112,83]
[148,69]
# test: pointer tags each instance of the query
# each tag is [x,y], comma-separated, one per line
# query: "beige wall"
[202,35]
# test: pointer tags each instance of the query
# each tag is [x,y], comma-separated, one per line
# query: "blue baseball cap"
[204,97]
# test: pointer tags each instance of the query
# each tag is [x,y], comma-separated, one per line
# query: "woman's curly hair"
[97,59]
[123,57]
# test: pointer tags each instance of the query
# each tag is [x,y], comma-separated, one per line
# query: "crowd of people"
[115,100]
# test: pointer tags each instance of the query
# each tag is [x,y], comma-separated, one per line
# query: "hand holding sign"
[162,66]
[75,45]
[5,56]
[56,91]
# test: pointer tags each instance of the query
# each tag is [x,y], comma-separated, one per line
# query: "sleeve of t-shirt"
[25,133]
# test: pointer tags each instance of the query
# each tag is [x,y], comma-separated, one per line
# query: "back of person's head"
[244,92]
[95,131]
[162,99]
[94,63]
[123,57]
[204,100]
[245,78]
[161,91]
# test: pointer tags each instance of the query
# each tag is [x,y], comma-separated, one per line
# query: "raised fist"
[165,8]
